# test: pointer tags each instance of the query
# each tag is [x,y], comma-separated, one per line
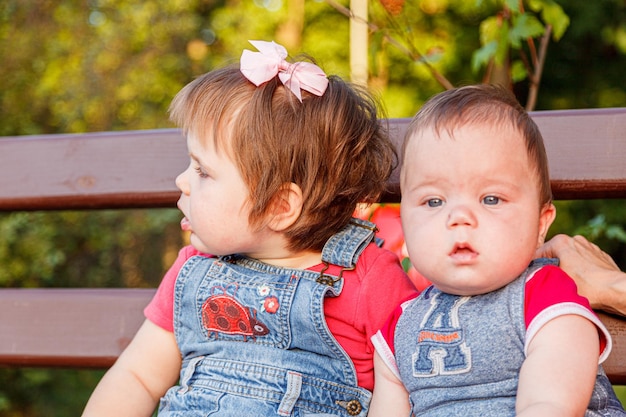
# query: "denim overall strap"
[344,248]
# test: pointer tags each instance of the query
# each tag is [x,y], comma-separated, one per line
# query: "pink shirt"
[369,295]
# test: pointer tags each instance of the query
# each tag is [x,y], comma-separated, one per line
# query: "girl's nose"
[182,181]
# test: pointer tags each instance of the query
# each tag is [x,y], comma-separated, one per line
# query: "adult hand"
[596,274]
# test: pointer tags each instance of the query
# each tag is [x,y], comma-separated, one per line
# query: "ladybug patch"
[222,313]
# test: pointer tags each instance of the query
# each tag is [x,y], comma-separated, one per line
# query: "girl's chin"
[199,246]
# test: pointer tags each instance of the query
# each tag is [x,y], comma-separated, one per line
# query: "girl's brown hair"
[332,146]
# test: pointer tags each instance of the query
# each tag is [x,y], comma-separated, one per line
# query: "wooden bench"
[90,327]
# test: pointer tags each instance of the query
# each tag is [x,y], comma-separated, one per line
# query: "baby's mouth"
[463,252]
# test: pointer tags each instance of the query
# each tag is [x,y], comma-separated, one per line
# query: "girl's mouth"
[185,225]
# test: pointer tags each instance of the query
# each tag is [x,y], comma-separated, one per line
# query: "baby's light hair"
[489,105]
[332,146]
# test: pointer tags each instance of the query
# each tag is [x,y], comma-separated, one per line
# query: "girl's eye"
[491,200]
[435,202]
[201,172]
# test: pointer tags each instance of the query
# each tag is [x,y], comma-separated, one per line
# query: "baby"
[498,333]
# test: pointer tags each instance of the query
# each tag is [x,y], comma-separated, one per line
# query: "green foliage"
[601,221]
[504,36]
[58,58]
[553,14]
[505,49]
[598,226]
[582,71]
[29,392]
[87,249]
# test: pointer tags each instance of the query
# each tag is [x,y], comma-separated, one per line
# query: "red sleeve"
[383,340]
[550,285]
[385,286]
[160,311]
[386,333]
[551,293]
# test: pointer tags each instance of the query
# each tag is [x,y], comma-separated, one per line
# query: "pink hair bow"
[262,66]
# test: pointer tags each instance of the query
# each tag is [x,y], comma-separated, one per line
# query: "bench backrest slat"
[586,149]
[93,170]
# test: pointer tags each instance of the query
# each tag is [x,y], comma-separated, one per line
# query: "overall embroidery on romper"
[441,347]
[223,313]
[270,303]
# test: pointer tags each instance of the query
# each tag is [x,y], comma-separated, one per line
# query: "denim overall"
[254,339]
[470,352]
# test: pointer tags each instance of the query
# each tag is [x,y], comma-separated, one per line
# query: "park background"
[78,66]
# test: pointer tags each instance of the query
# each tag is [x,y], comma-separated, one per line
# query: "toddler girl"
[271,308]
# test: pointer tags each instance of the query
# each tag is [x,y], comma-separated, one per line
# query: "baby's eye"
[491,200]
[435,202]
[201,172]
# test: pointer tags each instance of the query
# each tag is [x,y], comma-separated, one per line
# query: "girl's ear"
[286,207]
[546,217]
